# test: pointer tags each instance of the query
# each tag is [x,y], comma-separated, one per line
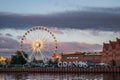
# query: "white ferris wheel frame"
[33,54]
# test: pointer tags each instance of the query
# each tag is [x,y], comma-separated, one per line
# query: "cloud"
[76,46]
[57,31]
[92,32]
[91,18]
[8,44]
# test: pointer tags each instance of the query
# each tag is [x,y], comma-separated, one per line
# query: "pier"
[62,70]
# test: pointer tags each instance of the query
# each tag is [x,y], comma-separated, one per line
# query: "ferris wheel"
[38,42]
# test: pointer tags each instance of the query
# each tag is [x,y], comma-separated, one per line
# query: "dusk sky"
[79,25]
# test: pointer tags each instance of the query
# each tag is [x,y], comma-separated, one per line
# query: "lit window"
[70,57]
[76,57]
[67,57]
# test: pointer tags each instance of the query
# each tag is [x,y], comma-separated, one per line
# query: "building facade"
[3,60]
[111,51]
[79,56]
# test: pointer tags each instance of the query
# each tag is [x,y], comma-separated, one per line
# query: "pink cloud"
[8,44]
[76,46]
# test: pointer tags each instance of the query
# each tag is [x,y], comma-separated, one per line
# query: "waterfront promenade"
[62,70]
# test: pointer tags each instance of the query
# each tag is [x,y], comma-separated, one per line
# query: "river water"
[59,76]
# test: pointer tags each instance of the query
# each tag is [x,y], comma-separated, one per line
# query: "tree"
[18,58]
[113,63]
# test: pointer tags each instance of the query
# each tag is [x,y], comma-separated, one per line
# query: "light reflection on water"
[59,76]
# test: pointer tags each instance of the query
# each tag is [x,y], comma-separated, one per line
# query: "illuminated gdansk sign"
[72,64]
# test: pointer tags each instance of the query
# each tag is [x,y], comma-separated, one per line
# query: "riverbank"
[62,70]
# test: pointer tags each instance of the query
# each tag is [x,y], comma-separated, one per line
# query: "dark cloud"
[1,34]
[115,10]
[10,35]
[19,37]
[91,18]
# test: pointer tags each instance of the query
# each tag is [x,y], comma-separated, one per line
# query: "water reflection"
[58,76]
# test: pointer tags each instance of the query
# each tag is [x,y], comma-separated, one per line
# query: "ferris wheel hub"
[37,45]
